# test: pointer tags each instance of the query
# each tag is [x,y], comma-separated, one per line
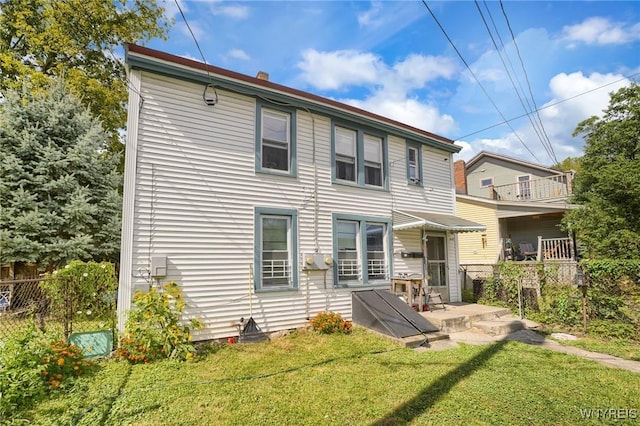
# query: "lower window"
[275,263]
[361,250]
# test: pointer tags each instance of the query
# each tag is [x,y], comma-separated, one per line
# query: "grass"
[357,379]
[621,348]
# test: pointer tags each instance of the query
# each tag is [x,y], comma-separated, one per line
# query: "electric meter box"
[316,262]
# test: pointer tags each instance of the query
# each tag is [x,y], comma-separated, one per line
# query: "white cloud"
[417,70]
[232,11]
[559,116]
[238,54]
[390,87]
[372,17]
[597,30]
[409,111]
[334,70]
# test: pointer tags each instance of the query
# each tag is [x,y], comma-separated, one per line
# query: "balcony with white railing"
[548,188]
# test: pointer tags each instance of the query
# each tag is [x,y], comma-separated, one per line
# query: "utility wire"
[478,81]
[205,98]
[548,106]
[550,145]
[513,84]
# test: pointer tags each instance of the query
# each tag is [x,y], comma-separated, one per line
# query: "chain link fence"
[56,305]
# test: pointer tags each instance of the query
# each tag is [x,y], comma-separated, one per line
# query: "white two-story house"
[265,201]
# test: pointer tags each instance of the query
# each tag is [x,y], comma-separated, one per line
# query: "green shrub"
[21,365]
[610,329]
[330,323]
[63,363]
[84,291]
[31,364]
[468,296]
[154,329]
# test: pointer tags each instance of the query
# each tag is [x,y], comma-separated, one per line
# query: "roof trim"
[508,159]
[441,222]
[138,57]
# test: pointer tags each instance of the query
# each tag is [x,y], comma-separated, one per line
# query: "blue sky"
[391,57]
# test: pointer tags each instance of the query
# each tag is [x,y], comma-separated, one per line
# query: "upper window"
[414,164]
[486,182]
[275,247]
[346,154]
[361,248]
[359,157]
[275,140]
[372,160]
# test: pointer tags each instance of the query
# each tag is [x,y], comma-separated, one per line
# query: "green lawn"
[359,379]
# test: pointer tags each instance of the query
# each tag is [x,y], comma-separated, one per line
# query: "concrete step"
[503,325]
[421,340]
[461,317]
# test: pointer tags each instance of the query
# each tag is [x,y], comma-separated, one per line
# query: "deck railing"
[557,186]
[555,249]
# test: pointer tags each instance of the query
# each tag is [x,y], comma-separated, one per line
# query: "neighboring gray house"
[522,205]
[265,201]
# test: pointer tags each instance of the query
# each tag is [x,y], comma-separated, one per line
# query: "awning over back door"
[439,222]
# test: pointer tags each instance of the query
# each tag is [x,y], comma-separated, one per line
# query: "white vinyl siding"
[195,190]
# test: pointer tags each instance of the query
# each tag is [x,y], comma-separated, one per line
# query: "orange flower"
[60,362]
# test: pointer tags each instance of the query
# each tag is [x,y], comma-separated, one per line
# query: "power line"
[205,98]
[526,76]
[478,81]
[548,106]
[513,84]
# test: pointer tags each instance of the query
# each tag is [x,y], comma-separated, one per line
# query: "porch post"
[539,248]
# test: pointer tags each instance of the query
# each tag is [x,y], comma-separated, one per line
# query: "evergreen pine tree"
[59,197]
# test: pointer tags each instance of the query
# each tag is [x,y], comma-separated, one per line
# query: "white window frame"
[482,185]
[346,157]
[438,262]
[359,148]
[524,187]
[279,268]
[273,143]
[375,163]
[374,271]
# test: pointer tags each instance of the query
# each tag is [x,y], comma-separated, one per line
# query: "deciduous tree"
[76,39]
[608,185]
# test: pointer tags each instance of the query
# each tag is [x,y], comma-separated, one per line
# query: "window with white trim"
[414,164]
[486,182]
[372,160]
[275,140]
[524,187]
[276,247]
[348,249]
[346,154]
[359,157]
[361,250]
